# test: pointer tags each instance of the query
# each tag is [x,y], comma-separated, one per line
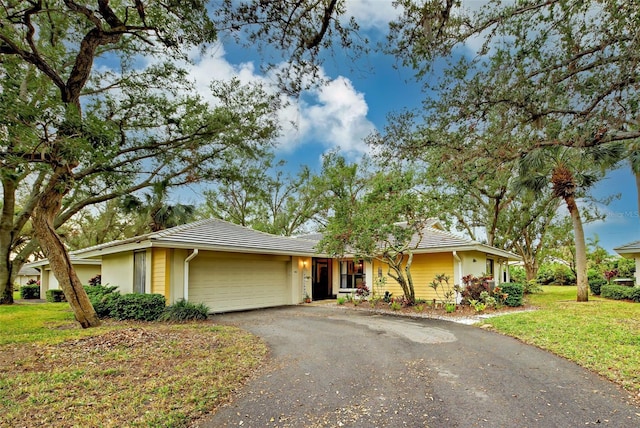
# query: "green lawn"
[601,335]
[55,374]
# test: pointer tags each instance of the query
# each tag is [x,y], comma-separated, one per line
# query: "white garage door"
[231,284]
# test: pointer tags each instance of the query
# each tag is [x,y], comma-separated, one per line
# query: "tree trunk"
[581,250]
[44,214]
[530,268]
[7,275]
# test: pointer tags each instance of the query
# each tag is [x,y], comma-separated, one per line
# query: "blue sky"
[357,101]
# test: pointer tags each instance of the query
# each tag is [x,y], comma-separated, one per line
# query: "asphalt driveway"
[332,367]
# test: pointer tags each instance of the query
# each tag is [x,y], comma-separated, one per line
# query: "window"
[489,271]
[139,271]
[351,273]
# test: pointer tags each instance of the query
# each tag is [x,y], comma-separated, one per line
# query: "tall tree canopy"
[96,105]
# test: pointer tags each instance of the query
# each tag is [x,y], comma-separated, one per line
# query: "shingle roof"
[213,234]
[630,248]
[220,235]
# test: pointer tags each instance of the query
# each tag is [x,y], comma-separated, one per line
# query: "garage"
[230,282]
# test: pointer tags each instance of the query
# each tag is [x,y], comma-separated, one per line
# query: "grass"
[53,373]
[601,335]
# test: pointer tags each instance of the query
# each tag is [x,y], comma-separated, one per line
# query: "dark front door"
[321,273]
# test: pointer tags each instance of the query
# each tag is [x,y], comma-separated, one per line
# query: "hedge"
[140,307]
[55,296]
[620,292]
[30,291]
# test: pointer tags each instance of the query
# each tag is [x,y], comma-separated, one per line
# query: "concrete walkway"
[337,368]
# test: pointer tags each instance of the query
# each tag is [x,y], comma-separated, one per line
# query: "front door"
[321,274]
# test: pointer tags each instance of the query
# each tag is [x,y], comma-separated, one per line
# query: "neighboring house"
[436,252]
[631,251]
[230,267]
[27,274]
[85,269]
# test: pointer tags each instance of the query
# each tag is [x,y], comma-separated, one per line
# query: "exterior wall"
[176,274]
[23,279]
[637,257]
[473,263]
[424,269]
[117,269]
[161,272]
[301,277]
[84,272]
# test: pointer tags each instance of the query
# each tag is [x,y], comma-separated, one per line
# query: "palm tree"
[570,172]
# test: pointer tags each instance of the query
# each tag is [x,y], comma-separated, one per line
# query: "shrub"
[96,280]
[102,298]
[30,291]
[596,283]
[514,293]
[556,273]
[54,296]
[182,310]
[388,297]
[518,274]
[620,292]
[140,307]
[473,289]
[531,286]
[396,306]
[341,300]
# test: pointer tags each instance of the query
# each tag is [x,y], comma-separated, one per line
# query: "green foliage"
[450,307]
[182,310]
[556,274]
[473,287]
[514,292]
[387,297]
[342,300]
[102,297]
[55,296]
[517,274]
[596,281]
[620,292]
[531,286]
[30,291]
[395,305]
[477,305]
[140,307]
[449,293]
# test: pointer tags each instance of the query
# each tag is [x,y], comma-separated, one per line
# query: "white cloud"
[372,13]
[333,115]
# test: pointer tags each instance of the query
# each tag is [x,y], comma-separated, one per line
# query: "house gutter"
[185,290]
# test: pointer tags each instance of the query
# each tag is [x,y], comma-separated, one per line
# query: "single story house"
[25,275]
[230,267]
[85,269]
[631,251]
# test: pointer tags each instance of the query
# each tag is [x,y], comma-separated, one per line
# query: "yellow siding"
[160,275]
[424,269]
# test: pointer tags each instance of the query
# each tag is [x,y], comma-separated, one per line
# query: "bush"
[30,291]
[185,311]
[102,298]
[96,280]
[620,292]
[514,293]
[473,288]
[531,286]
[55,296]
[518,274]
[595,285]
[557,274]
[140,307]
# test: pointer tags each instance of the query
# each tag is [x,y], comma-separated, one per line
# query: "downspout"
[185,291]
[459,281]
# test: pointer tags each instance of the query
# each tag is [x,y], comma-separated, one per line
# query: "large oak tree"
[97,106]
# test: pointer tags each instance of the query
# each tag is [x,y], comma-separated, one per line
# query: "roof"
[220,235]
[434,239]
[209,234]
[74,260]
[628,249]
[28,271]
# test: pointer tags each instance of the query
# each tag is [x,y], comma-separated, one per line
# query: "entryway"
[321,279]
